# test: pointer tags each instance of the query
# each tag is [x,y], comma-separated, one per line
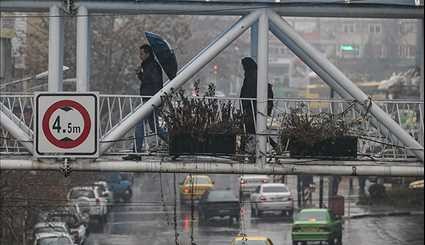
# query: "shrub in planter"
[200,124]
[322,135]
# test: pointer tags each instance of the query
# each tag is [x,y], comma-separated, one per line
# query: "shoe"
[132,157]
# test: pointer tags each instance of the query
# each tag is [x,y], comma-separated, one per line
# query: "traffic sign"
[66,125]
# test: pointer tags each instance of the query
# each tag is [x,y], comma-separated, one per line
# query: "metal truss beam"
[326,168]
[300,9]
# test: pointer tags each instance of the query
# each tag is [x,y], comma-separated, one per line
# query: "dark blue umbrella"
[163,53]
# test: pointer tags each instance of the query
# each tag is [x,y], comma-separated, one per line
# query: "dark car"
[218,203]
[121,185]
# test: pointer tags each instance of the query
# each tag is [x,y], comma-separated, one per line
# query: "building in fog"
[366,50]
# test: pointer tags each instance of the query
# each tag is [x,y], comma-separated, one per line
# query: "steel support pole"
[56,38]
[263,61]
[182,77]
[349,87]
[214,168]
[83,50]
[19,134]
[321,192]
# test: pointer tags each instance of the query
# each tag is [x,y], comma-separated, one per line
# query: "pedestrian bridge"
[389,132]
[375,142]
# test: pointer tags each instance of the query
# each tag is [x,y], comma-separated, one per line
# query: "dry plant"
[303,129]
[198,117]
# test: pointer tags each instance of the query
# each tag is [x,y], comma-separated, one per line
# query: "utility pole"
[420,65]
[321,191]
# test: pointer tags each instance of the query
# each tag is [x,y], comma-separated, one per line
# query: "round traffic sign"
[66,142]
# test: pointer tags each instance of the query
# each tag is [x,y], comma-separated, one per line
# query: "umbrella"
[163,53]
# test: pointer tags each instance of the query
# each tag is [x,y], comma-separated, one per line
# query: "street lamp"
[36,77]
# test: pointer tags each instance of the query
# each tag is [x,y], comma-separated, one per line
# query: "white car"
[249,183]
[49,238]
[91,194]
[49,227]
[272,197]
[77,229]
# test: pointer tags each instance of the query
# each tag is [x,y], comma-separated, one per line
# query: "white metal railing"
[19,108]
[374,142]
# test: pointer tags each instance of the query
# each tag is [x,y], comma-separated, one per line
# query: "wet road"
[149,220]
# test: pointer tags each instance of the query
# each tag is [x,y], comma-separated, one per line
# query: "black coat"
[249,90]
[150,76]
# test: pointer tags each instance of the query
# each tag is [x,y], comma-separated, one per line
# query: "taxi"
[419,184]
[194,187]
[317,225]
[251,240]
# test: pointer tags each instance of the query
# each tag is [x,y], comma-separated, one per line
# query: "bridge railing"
[374,141]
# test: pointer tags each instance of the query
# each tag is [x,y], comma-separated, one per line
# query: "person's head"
[249,64]
[145,52]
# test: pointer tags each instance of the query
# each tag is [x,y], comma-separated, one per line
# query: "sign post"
[66,125]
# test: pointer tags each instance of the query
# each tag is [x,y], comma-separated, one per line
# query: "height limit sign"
[66,125]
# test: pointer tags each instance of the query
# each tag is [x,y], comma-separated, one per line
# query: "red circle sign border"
[66,144]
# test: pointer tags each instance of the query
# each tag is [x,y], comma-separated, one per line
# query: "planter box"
[338,147]
[216,144]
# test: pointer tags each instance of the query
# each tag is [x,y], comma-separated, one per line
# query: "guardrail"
[374,142]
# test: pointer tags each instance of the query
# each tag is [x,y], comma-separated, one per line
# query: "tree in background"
[115,43]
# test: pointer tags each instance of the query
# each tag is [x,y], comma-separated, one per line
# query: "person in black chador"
[249,90]
[150,75]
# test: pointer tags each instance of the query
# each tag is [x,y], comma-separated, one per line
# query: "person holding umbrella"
[150,75]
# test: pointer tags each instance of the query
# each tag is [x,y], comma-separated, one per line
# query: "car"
[272,197]
[49,238]
[219,203]
[249,183]
[127,176]
[77,228]
[193,187]
[251,240]
[418,184]
[317,225]
[49,227]
[105,192]
[121,186]
[92,195]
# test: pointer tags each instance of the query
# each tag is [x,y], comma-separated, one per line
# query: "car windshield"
[221,196]
[251,243]
[54,241]
[81,193]
[50,229]
[198,180]
[269,189]
[312,216]
[83,206]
